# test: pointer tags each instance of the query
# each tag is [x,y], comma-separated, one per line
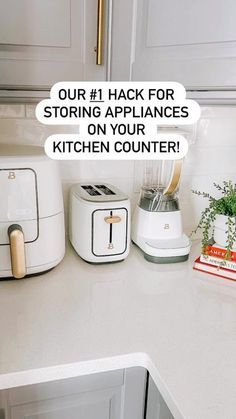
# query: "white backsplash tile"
[216,132]
[218,112]
[12,111]
[30,110]
[29,131]
[211,159]
[21,131]
[95,170]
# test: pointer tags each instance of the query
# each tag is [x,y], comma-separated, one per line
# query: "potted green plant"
[218,220]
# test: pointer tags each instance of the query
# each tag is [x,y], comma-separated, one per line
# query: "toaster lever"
[17,249]
[112,219]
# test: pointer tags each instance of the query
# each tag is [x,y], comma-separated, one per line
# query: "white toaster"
[99,222]
[32,234]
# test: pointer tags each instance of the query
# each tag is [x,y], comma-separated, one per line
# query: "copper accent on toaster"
[112,219]
[17,249]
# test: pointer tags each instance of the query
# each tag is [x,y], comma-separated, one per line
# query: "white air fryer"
[32,233]
[99,222]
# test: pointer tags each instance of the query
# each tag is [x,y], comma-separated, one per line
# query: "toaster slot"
[90,190]
[105,190]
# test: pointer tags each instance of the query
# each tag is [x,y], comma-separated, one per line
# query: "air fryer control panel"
[18,203]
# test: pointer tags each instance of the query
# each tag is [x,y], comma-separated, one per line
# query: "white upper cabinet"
[193,42]
[33,22]
[45,41]
[184,22]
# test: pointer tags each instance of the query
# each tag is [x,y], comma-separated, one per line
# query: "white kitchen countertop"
[80,318]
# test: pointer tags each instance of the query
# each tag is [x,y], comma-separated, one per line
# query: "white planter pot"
[220,231]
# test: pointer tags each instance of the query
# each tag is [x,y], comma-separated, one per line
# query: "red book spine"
[219,253]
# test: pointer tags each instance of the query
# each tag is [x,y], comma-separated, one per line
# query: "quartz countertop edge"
[77,369]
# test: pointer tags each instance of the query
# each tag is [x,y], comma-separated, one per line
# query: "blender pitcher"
[157,223]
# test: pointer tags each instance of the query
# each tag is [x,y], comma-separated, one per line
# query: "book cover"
[218,251]
[214,270]
[213,260]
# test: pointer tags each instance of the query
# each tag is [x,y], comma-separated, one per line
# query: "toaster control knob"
[17,249]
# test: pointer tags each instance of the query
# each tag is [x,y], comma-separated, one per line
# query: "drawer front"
[102,404]
[60,388]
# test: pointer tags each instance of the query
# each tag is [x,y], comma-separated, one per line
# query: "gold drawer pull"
[113,219]
[17,249]
[100,34]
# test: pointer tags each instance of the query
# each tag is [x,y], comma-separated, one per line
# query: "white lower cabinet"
[156,407]
[111,395]
[102,405]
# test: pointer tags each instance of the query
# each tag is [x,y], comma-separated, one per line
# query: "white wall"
[212,157]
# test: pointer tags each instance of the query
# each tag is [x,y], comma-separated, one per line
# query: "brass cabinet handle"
[112,219]
[17,248]
[100,25]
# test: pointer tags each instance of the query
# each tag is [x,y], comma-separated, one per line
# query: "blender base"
[164,250]
[165,259]
[160,236]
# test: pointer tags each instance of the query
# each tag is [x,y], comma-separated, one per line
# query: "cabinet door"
[42,42]
[104,404]
[156,406]
[193,42]
[111,395]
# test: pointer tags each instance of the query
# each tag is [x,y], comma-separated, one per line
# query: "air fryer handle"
[17,249]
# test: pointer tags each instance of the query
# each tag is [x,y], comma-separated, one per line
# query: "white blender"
[157,223]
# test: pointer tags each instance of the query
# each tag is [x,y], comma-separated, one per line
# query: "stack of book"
[214,261]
